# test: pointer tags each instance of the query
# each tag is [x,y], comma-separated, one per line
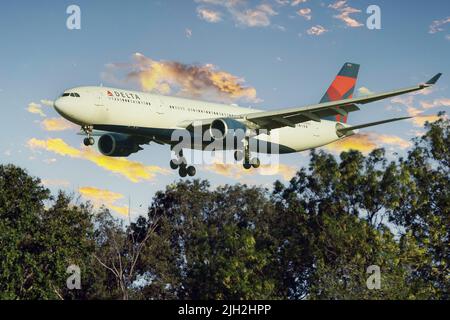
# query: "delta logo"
[125,95]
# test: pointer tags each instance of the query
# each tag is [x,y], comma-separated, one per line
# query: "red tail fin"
[342,87]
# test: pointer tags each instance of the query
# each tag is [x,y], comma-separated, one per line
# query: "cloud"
[258,16]
[36,108]
[344,13]
[101,197]
[437,25]
[50,160]
[364,91]
[279,27]
[209,15]
[443,102]
[297,2]
[305,13]
[48,103]
[194,81]
[55,183]
[133,171]
[366,142]
[316,30]
[420,120]
[417,109]
[236,171]
[56,124]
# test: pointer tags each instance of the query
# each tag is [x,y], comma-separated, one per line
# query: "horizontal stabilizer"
[366,125]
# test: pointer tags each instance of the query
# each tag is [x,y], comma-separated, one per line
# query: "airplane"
[126,120]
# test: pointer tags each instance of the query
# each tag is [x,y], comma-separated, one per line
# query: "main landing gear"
[180,164]
[245,155]
[89,140]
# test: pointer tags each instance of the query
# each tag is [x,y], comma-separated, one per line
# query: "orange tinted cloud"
[236,171]
[366,142]
[241,12]
[305,13]
[316,30]
[187,80]
[55,183]
[417,110]
[344,13]
[132,170]
[419,121]
[36,108]
[254,17]
[436,103]
[56,124]
[195,81]
[208,15]
[101,197]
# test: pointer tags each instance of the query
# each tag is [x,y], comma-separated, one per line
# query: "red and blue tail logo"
[342,88]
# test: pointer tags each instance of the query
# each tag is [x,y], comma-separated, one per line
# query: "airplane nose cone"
[68,110]
[61,107]
[57,105]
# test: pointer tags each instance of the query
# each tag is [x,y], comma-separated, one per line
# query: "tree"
[37,244]
[313,238]
[213,243]
[424,204]
[118,250]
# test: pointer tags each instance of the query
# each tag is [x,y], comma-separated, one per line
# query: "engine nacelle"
[220,128]
[117,145]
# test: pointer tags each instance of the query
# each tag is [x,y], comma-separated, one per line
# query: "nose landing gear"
[89,140]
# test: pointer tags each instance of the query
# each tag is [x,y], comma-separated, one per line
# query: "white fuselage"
[118,110]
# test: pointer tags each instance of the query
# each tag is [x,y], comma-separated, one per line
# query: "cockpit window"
[71,94]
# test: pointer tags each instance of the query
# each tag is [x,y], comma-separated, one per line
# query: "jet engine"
[220,128]
[117,145]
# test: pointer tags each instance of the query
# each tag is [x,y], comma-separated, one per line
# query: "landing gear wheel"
[238,155]
[255,163]
[183,172]
[88,141]
[247,166]
[173,165]
[191,171]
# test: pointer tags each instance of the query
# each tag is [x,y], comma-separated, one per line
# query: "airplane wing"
[348,130]
[292,116]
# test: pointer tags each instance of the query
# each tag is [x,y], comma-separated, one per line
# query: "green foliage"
[313,238]
[39,238]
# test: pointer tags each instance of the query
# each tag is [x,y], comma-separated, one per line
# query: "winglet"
[434,79]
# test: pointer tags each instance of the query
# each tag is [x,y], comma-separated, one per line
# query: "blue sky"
[266,45]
